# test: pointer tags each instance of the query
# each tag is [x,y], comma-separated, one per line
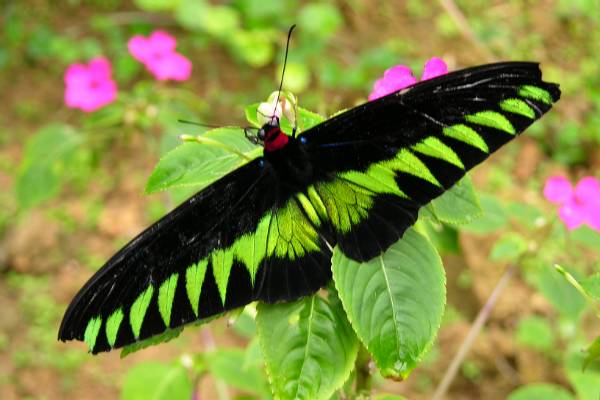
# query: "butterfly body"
[266,230]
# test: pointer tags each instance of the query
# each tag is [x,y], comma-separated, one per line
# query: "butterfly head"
[269,135]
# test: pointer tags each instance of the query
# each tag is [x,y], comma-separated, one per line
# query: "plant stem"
[363,375]
[480,321]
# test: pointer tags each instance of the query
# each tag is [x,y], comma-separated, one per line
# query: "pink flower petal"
[139,48]
[572,214]
[434,67]
[89,87]
[162,42]
[587,190]
[173,66]
[99,68]
[400,77]
[558,189]
[394,79]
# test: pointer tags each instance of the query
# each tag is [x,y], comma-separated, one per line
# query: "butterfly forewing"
[265,231]
[403,150]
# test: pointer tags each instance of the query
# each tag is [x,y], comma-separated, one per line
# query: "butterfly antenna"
[287,47]
[185,121]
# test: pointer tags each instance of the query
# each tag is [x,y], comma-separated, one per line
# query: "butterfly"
[265,231]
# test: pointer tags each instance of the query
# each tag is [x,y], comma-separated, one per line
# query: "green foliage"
[535,332]
[493,216]
[242,369]
[509,247]
[395,302]
[157,381]
[541,391]
[45,165]
[459,205]
[198,165]
[308,345]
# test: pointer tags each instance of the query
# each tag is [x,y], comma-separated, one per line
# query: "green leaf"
[395,301]
[156,381]
[592,353]
[509,247]
[199,164]
[585,382]
[586,236]
[297,77]
[306,119]
[541,391]
[233,366]
[219,21]
[320,19]
[45,164]
[308,346]
[591,285]
[459,205]
[189,13]
[493,216]
[535,332]
[254,46]
[560,293]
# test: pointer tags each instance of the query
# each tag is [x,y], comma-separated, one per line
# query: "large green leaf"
[308,346]
[459,205]
[395,301]
[200,164]
[156,381]
[45,164]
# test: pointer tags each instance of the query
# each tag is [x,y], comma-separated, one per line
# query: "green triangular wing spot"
[91,332]
[166,295]
[492,119]
[222,261]
[433,147]
[194,277]
[536,93]
[467,135]
[517,106]
[113,323]
[407,162]
[138,309]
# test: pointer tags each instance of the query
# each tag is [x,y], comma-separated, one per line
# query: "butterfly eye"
[254,135]
[261,134]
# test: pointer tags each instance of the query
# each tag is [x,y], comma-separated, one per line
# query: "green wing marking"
[194,277]
[138,310]
[166,295]
[113,323]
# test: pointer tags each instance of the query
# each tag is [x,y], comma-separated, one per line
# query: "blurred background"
[72,182]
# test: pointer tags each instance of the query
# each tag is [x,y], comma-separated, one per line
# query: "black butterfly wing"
[239,240]
[397,153]
[265,231]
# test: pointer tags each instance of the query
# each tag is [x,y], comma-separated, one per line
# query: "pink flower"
[157,53]
[578,206]
[89,87]
[401,76]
